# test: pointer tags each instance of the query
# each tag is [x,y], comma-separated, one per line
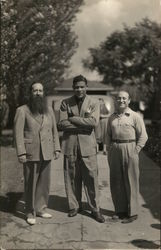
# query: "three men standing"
[79,115]
[126,136]
[37,141]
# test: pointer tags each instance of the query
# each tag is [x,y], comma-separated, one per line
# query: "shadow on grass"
[145,244]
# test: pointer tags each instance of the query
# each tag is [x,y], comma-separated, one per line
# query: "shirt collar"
[79,99]
[127,112]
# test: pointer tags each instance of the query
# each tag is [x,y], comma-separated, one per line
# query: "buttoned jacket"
[78,126]
[32,134]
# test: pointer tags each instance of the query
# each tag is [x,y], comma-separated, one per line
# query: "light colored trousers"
[124,177]
[78,169]
[37,184]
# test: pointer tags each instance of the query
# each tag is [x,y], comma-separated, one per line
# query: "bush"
[153,145]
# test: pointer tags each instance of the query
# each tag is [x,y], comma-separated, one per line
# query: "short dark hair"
[79,78]
[127,90]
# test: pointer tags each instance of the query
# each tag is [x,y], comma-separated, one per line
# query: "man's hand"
[137,149]
[22,158]
[71,118]
[56,155]
[88,112]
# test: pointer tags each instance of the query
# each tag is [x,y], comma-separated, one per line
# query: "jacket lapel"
[84,106]
[39,119]
[43,120]
[74,106]
[36,117]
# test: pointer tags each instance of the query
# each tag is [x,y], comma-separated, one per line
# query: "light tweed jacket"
[30,134]
[79,128]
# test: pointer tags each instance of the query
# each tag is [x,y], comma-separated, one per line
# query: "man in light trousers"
[126,136]
[37,142]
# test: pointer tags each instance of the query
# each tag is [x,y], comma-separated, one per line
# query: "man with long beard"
[37,141]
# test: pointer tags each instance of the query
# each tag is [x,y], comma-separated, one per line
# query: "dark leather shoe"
[129,219]
[122,215]
[114,218]
[118,217]
[98,217]
[72,212]
[80,209]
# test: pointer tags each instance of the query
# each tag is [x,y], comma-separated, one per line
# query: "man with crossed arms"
[79,115]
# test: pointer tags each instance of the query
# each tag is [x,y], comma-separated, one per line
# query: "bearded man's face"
[37,90]
[38,101]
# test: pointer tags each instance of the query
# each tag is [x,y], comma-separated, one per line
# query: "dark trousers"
[78,169]
[37,184]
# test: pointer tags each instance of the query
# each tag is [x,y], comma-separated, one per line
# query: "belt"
[123,141]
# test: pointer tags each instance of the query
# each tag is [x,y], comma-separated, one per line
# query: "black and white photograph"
[80,124]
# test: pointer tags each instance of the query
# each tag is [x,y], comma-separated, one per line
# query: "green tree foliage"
[131,57]
[37,44]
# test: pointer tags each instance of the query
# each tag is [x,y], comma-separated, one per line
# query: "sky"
[97,19]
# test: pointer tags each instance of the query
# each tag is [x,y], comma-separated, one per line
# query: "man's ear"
[129,101]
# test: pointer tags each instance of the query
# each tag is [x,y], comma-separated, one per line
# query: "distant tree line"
[132,58]
[37,43]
